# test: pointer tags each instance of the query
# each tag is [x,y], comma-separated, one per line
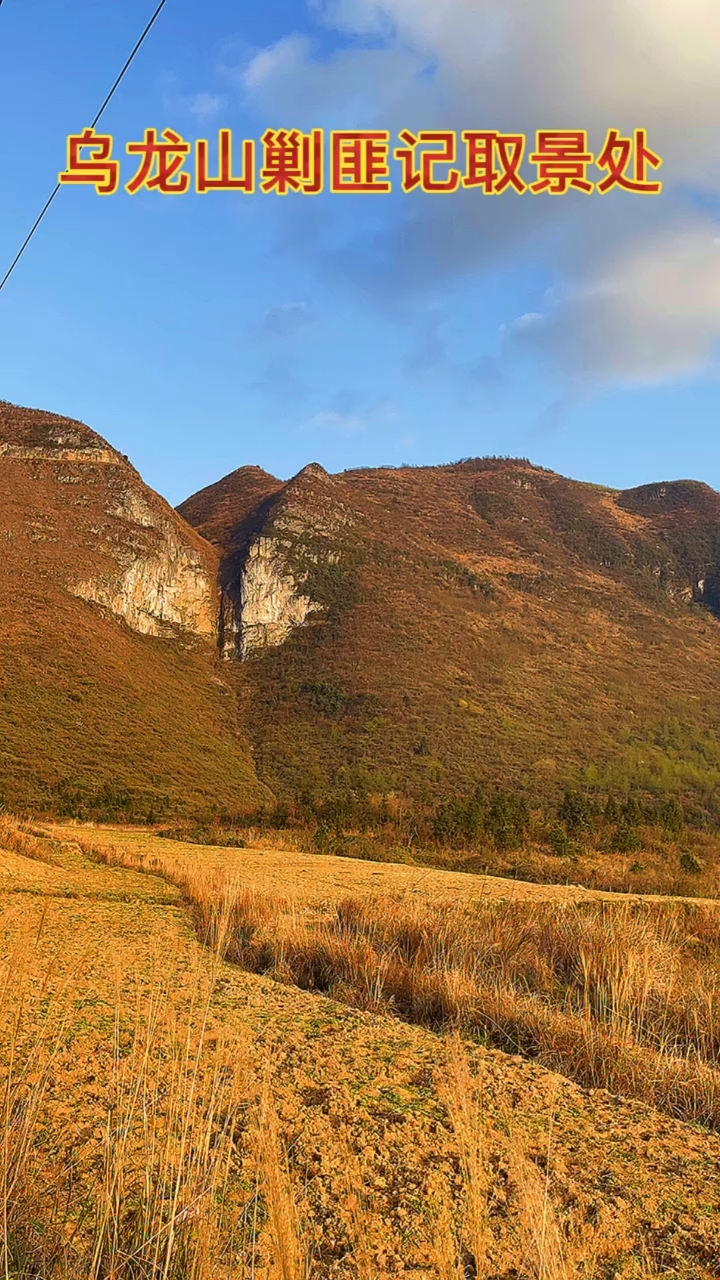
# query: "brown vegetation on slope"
[96,716]
[483,623]
[487,621]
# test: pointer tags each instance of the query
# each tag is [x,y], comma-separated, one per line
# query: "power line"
[101,112]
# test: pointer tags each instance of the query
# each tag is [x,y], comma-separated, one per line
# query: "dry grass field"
[247,1063]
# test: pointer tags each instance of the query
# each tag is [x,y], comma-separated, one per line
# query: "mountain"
[412,630]
[427,629]
[112,698]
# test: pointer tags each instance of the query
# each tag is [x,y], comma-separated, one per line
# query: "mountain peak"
[220,510]
[34,434]
[313,469]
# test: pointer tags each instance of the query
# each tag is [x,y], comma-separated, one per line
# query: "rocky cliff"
[432,627]
[151,569]
[270,601]
[109,683]
[279,543]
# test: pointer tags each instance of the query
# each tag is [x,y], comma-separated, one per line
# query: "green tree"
[672,816]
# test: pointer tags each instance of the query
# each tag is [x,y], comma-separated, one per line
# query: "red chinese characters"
[486,150]
[97,168]
[225,180]
[616,156]
[360,161]
[562,158]
[161,163]
[293,161]
[436,147]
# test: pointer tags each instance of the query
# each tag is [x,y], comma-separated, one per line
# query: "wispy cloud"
[638,287]
[348,413]
[285,320]
[201,105]
[205,105]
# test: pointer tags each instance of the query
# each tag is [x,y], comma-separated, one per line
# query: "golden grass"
[24,839]
[460,1092]
[290,1262]
[154,1200]
[541,1238]
[173,1191]
[541,1234]
[617,995]
[190,1169]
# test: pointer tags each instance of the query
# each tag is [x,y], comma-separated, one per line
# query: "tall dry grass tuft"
[461,1092]
[540,1233]
[357,1215]
[617,995]
[20,838]
[544,1250]
[151,1197]
[28,1057]
[460,1089]
[167,1149]
[289,1255]
[444,1246]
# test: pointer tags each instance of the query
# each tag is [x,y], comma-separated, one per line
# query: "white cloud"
[287,80]
[346,424]
[204,105]
[653,315]
[638,293]
[348,413]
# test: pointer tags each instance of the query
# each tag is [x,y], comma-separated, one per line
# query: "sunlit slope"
[487,621]
[112,698]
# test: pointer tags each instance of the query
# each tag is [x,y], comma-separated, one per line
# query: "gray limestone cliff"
[278,578]
[161,580]
[106,535]
[164,589]
[268,601]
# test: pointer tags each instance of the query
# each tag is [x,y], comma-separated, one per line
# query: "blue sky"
[202,333]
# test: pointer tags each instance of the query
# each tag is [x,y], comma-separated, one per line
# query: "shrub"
[328,699]
[631,813]
[577,812]
[508,820]
[559,842]
[625,839]
[612,812]
[459,819]
[672,817]
[690,863]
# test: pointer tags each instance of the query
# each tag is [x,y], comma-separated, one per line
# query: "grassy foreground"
[622,995]
[166,1115]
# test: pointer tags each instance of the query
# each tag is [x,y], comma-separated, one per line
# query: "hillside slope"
[421,629]
[111,698]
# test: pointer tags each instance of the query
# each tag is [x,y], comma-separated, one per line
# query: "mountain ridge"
[501,622]
[417,630]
